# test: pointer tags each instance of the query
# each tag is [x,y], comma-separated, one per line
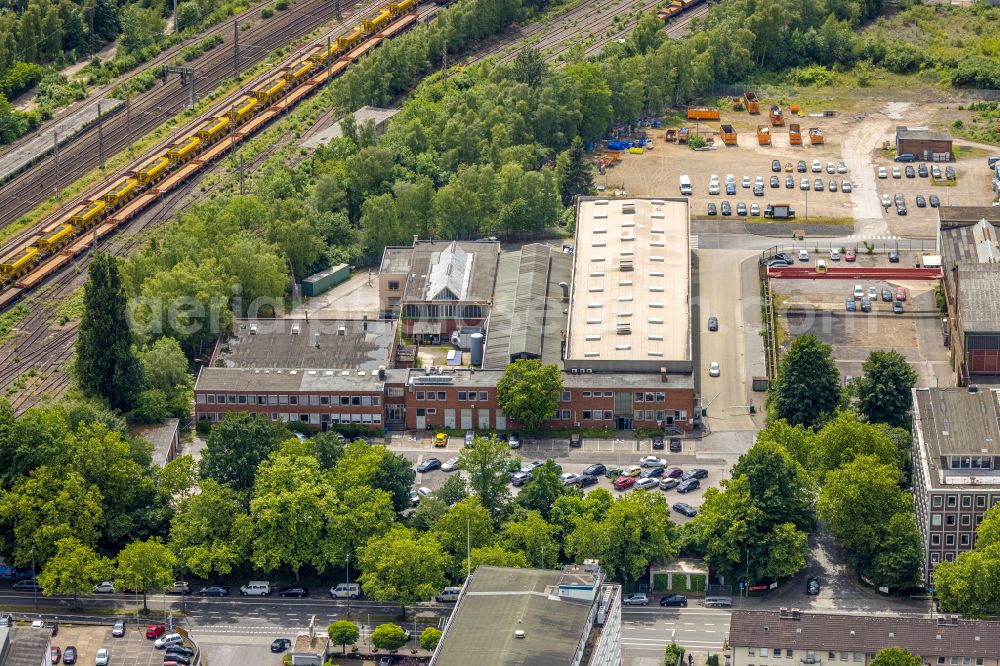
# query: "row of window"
[311,400]
[970,462]
[952,500]
[482,396]
[414,311]
[949,539]
[313,418]
[857,656]
[950,520]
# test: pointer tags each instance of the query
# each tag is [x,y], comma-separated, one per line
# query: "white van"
[448,594]
[256,588]
[686,186]
[345,591]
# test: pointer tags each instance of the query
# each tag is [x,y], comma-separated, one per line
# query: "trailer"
[728,135]
[753,104]
[703,113]
[777,116]
[779,211]
[763,135]
[795,134]
[816,136]
[682,135]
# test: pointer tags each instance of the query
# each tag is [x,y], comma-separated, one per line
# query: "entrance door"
[421,422]
[623,423]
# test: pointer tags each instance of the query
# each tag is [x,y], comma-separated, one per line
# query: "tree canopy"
[883,389]
[808,386]
[528,392]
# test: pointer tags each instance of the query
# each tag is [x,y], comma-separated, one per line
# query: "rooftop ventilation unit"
[626,266]
[624,328]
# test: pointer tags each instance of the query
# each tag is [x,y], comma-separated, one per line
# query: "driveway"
[859,144]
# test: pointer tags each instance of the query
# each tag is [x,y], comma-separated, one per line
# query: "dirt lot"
[819,307]
[856,136]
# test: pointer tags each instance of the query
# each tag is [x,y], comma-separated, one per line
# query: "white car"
[730,179]
[872,294]
[817,166]
[424,491]
[746,182]
[896,172]
[834,254]
[569,478]
[804,184]
[105,587]
[886,201]
[636,600]
[859,292]
[646,484]
[830,168]
[882,173]
[167,639]
[651,461]
[713,369]
[103,657]
[450,465]
[754,209]
[841,168]
[713,188]
[803,255]
[759,180]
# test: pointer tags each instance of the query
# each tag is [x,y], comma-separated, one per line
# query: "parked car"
[726,208]
[893,257]
[784,256]
[623,482]
[533,465]
[834,254]
[778,263]
[812,586]
[674,472]
[685,509]
[887,294]
[676,600]
[632,470]
[668,483]
[922,170]
[790,182]
[596,469]
[775,165]
[788,166]
[804,184]
[900,210]
[897,307]
[830,168]
[688,485]
[859,292]
[657,443]
[646,484]
[27,585]
[652,461]
[429,465]
[774,182]
[55,654]
[841,167]
[833,185]
[214,591]
[935,171]
[675,445]
[801,166]
[106,587]
[846,187]
[851,305]
[758,190]
[745,182]
[155,631]
[901,293]
[518,479]
[696,473]
[886,200]
[897,172]
[441,439]
[754,210]
[652,472]
[903,157]
[712,210]
[575,440]
[167,639]
[921,201]
[866,304]
[639,599]
[934,201]
[851,254]
[882,172]
[118,630]
[949,173]
[296,591]
[514,440]
[281,644]
[741,209]
[179,650]
[450,465]
[713,369]
[103,657]
[909,172]
[818,184]
[587,480]
[569,478]
[817,166]
[69,654]
[872,293]
[899,199]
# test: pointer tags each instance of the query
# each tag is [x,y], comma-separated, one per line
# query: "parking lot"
[819,307]
[606,453]
[131,650]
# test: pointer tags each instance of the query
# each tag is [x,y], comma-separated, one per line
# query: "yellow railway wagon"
[214,129]
[153,170]
[19,262]
[245,109]
[300,73]
[271,90]
[56,238]
[398,8]
[319,56]
[88,214]
[122,191]
[184,150]
[351,39]
[376,22]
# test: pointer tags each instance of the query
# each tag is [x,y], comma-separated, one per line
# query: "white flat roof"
[631,282]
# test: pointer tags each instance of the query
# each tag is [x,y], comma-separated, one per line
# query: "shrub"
[266,12]
[281,5]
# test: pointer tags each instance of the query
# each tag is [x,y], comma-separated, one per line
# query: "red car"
[155,631]
[56,654]
[900,294]
[851,254]
[623,482]
[673,473]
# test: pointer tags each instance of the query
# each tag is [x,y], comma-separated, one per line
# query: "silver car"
[638,599]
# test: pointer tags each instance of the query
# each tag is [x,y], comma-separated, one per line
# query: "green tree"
[494,556]
[106,365]
[486,464]
[431,636]
[778,484]
[529,67]
[343,632]
[544,488]
[845,438]
[896,656]
[453,490]
[236,446]
[528,392]
[73,570]
[165,369]
[884,388]
[467,524]
[575,172]
[362,464]
[530,534]
[899,562]
[389,637]
[402,567]
[178,478]
[971,583]
[140,28]
[212,528]
[808,387]
[145,565]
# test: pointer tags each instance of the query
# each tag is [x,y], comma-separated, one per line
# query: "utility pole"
[338,10]
[232,128]
[236,50]
[329,58]
[175,15]
[243,188]
[187,78]
[33,578]
[55,153]
[100,135]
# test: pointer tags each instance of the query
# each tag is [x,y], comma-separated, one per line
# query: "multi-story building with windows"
[956,467]
[793,638]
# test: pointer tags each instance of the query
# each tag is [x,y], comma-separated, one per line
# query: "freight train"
[388,22]
[676,7]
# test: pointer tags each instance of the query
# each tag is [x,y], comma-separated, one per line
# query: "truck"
[728,135]
[671,135]
[753,104]
[686,185]
[795,134]
[682,135]
[816,136]
[763,135]
[777,116]
[780,211]
[703,113]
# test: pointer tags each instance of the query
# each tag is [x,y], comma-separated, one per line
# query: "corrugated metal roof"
[450,274]
[529,309]
[975,282]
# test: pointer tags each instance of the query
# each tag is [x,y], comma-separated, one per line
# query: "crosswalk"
[693,239]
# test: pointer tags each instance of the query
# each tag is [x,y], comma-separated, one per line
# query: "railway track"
[49,175]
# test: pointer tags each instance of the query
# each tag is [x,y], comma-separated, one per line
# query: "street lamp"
[180,556]
[348,561]
[34,580]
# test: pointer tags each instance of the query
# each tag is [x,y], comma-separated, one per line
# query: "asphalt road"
[646,631]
